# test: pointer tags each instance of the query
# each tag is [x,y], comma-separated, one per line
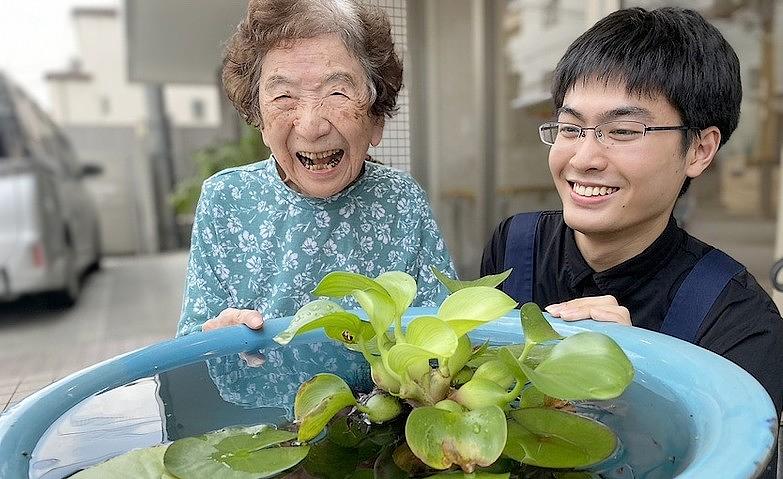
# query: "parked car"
[49,232]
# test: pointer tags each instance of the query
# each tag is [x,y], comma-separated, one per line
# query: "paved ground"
[130,303]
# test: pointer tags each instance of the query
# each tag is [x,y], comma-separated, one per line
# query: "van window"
[6,123]
[40,133]
[10,139]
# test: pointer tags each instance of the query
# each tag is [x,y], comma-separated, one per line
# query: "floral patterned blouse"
[258,244]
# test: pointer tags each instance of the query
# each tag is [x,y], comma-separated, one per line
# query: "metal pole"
[416,81]
[160,154]
[485,39]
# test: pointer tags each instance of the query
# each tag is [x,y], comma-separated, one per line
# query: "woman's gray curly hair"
[364,29]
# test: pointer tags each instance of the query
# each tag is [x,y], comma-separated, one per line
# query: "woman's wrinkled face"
[315,110]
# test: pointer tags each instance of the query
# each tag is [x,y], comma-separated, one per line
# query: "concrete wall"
[526,44]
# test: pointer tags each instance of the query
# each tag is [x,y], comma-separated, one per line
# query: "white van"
[49,234]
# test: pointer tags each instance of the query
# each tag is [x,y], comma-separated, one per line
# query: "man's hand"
[599,308]
[232,316]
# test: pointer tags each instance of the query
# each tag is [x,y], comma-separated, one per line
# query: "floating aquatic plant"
[462,408]
[468,405]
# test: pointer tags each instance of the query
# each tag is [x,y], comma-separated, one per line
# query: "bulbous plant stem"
[515,392]
[399,336]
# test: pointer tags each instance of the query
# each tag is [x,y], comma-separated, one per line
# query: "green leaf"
[401,287]
[462,327]
[144,463]
[409,358]
[481,355]
[379,308]
[462,354]
[433,335]
[586,365]
[449,405]
[512,364]
[441,438]
[495,371]
[233,453]
[462,376]
[303,319]
[557,439]
[535,326]
[317,401]
[252,442]
[532,397]
[454,285]
[347,328]
[371,295]
[478,303]
[342,283]
[264,462]
[341,326]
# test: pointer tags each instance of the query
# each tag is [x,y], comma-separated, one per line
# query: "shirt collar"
[295,197]
[624,277]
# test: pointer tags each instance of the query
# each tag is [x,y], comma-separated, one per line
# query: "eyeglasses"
[611,133]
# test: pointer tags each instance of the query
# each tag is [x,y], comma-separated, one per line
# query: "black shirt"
[743,324]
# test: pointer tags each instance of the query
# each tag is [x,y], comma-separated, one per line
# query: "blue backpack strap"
[520,247]
[698,293]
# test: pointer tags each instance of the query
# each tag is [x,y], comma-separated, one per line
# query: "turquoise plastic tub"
[711,417]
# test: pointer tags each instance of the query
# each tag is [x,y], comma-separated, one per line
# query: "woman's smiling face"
[315,109]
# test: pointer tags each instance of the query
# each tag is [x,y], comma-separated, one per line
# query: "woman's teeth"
[583,190]
[316,161]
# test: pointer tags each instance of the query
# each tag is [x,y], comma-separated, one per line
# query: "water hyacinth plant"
[468,405]
[477,411]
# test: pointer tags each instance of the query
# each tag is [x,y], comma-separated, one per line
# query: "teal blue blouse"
[258,244]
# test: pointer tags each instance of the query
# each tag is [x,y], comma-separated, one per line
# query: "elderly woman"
[317,78]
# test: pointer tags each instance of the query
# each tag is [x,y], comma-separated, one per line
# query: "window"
[105,106]
[197,108]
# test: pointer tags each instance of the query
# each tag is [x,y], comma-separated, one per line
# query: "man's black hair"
[672,52]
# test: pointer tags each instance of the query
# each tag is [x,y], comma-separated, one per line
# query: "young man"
[644,100]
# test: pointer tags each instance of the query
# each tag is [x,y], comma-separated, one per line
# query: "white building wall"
[106,117]
[109,98]
[181,101]
[112,100]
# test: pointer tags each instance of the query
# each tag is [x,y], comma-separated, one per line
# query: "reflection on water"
[260,388]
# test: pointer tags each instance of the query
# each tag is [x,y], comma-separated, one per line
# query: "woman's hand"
[599,308]
[232,316]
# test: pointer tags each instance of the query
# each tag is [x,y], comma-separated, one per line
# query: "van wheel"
[69,294]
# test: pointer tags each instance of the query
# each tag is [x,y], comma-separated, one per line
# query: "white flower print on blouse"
[269,247]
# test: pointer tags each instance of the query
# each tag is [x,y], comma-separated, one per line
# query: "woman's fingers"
[232,316]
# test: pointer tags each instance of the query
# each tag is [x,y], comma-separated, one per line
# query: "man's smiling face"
[315,109]
[622,191]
